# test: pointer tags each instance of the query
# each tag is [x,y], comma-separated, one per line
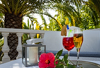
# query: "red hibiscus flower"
[47,60]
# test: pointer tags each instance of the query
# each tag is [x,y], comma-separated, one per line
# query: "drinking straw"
[69,31]
[67,27]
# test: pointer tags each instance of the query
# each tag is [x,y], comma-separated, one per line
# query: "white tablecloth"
[18,63]
[15,64]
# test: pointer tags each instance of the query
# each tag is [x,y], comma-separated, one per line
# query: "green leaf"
[59,54]
[28,22]
[30,26]
[66,58]
[70,66]
[59,66]
[60,60]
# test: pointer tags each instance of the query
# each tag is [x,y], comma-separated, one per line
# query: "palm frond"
[2,7]
[25,11]
[21,8]
[95,5]
[12,1]
[49,15]
[44,22]
[6,5]
[16,8]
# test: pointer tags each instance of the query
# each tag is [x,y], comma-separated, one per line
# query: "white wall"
[53,41]
[91,41]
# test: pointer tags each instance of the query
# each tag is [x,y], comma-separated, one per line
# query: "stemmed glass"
[78,40]
[68,43]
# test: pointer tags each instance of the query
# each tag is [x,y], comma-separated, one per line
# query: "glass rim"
[78,33]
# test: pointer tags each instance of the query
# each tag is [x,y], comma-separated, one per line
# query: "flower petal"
[51,56]
[43,56]
[42,65]
[51,65]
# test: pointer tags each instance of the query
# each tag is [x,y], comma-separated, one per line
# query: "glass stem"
[77,55]
[78,50]
[68,54]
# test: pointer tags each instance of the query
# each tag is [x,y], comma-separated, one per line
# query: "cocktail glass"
[78,40]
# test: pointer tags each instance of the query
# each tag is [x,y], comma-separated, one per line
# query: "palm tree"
[70,9]
[95,4]
[95,11]
[13,11]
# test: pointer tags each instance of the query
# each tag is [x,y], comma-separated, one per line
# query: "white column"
[32,35]
[19,47]
[5,49]
[33,52]
[42,36]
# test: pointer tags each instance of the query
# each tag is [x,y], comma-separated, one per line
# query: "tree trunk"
[13,21]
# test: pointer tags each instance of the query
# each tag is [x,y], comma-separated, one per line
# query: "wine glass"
[78,40]
[68,43]
[68,38]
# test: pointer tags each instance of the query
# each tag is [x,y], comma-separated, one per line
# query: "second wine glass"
[78,40]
